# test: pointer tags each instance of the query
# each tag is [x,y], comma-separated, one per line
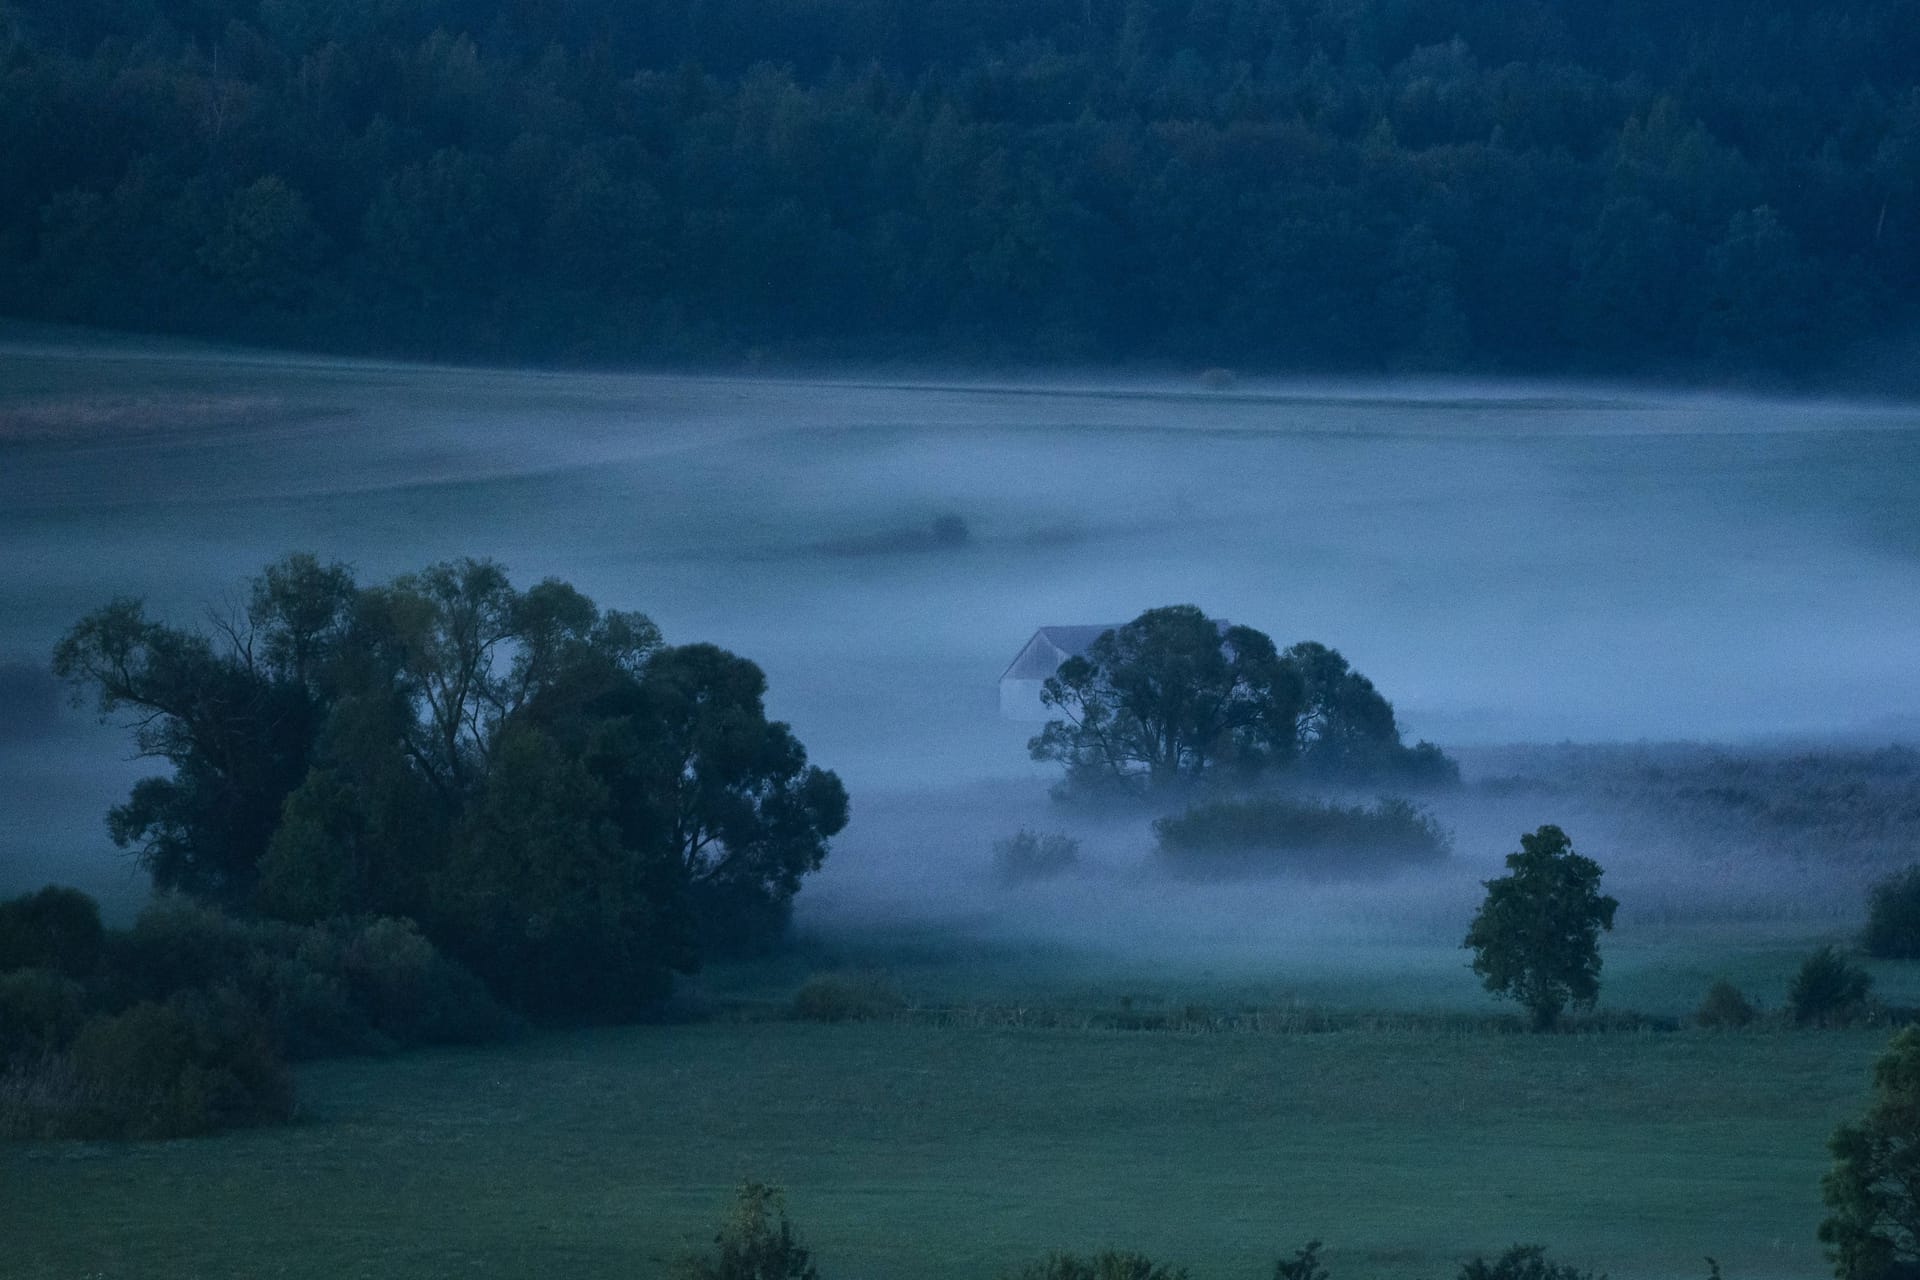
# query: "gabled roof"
[1050,647]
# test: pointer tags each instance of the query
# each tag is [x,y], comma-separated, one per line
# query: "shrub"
[202,1062]
[1026,856]
[1522,1262]
[1304,1265]
[1270,834]
[1829,990]
[55,928]
[41,1098]
[178,945]
[410,992]
[853,997]
[40,1013]
[356,986]
[757,1243]
[1109,1265]
[1893,917]
[1725,1006]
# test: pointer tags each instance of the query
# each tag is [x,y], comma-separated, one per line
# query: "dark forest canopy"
[1697,188]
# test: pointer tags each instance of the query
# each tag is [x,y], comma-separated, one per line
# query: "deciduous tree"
[1536,938]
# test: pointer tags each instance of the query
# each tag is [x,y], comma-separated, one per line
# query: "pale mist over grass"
[1509,564]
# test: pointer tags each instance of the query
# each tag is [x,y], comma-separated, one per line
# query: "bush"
[1026,856]
[197,1064]
[1304,1265]
[1109,1265]
[1829,991]
[1273,834]
[757,1243]
[40,1013]
[410,992]
[1521,1262]
[1893,917]
[1724,1006]
[177,945]
[847,998]
[360,986]
[55,928]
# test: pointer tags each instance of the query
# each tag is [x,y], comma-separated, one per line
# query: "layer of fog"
[1508,563]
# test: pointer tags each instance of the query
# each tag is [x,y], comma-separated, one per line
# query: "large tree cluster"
[564,802]
[1638,186]
[1176,697]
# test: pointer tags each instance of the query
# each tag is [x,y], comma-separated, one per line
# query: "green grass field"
[929,1152]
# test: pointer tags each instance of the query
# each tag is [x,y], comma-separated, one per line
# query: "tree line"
[1668,188]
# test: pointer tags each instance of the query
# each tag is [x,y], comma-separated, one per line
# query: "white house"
[1042,656]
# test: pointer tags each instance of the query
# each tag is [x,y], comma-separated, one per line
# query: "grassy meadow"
[950,1144]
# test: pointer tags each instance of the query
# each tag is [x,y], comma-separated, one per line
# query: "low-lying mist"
[1508,564]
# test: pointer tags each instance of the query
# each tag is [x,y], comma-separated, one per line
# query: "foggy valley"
[959,640]
[1514,563]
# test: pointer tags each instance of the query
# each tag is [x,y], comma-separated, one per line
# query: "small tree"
[1536,938]
[1725,1005]
[1522,1262]
[1873,1190]
[1893,917]
[1304,1265]
[757,1243]
[1829,990]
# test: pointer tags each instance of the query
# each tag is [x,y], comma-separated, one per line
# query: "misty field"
[914,1151]
[1514,565]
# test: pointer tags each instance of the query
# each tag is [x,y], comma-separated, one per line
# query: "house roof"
[1050,647]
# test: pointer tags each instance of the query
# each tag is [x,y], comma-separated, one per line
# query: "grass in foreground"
[927,1152]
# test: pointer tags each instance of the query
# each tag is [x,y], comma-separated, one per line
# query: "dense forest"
[1693,188]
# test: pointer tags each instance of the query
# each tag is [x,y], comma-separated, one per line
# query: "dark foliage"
[569,808]
[757,1243]
[1273,834]
[848,997]
[55,928]
[1304,1265]
[1893,917]
[1457,184]
[1522,1262]
[1536,937]
[350,986]
[1174,697]
[40,1013]
[1871,1190]
[1725,1007]
[1029,856]
[1828,990]
[1107,1265]
[199,1063]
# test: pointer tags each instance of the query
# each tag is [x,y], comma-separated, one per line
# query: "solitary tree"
[1536,938]
[1873,1190]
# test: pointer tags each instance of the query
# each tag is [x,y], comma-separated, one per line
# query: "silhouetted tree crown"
[1174,696]
[569,805]
[1536,937]
[1872,1192]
